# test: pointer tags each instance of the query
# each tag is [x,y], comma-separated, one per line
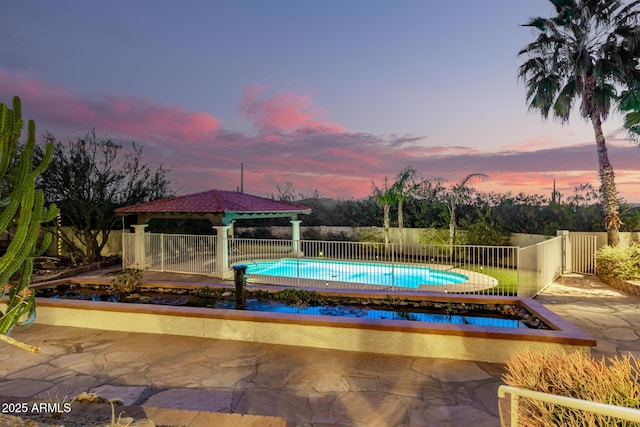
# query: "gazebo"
[220,207]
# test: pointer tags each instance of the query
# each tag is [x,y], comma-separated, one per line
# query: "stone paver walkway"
[308,387]
[606,314]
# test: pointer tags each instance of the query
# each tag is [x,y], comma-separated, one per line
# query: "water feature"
[464,341]
[311,303]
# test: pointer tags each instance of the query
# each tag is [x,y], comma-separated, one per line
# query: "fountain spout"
[240,279]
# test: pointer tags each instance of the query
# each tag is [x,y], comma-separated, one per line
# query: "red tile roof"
[214,201]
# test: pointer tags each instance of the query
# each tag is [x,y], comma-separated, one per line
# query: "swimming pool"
[406,276]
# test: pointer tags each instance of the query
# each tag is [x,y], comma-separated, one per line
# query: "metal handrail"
[620,412]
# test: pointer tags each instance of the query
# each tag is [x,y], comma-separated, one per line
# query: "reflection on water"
[374,313]
[362,312]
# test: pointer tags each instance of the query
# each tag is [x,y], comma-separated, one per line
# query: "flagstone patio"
[186,380]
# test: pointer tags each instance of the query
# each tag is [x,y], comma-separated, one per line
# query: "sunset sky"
[329,95]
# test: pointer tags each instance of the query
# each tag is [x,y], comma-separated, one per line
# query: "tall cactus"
[22,211]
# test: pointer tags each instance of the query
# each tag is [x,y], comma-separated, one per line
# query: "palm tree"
[385,196]
[584,53]
[402,189]
[630,104]
[453,197]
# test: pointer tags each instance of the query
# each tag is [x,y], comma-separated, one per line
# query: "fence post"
[518,271]
[566,250]
[222,254]
[125,249]
[162,252]
[139,249]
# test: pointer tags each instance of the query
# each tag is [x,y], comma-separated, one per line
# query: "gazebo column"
[139,254]
[295,233]
[222,251]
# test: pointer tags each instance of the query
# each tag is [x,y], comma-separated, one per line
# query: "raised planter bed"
[631,287]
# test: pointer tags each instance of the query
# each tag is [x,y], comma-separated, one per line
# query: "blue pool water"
[354,272]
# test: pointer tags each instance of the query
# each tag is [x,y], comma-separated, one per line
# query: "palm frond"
[632,121]
[601,100]
[630,99]
[538,22]
[581,53]
[564,100]
[543,94]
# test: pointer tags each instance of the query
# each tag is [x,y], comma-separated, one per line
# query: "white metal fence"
[511,415]
[582,253]
[496,270]
[181,253]
[487,269]
[538,266]
[358,265]
[128,250]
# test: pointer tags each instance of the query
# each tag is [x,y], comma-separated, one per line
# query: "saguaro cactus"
[22,211]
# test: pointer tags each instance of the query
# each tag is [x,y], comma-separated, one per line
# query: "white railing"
[484,266]
[513,416]
[173,253]
[128,252]
[583,253]
[250,250]
[538,266]
[488,269]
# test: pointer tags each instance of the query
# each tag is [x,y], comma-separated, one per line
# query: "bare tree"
[90,178]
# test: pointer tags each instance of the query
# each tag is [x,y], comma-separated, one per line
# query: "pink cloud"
[55,106]
[282,111]
[291,142]
[627,183]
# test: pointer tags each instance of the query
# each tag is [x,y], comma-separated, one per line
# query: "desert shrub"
[434,236]
[483,233]
[312,233]
[315,233]
[371,235]
[126,281]
[260,233]
[619,262]
[339,236]
[612,381]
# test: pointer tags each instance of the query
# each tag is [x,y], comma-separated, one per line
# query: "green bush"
[620,262]
[437,236]
[312,233]
[482,233]
[340,236]
[613,381]
[370,235]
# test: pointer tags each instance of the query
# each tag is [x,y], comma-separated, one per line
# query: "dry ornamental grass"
[612,381]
